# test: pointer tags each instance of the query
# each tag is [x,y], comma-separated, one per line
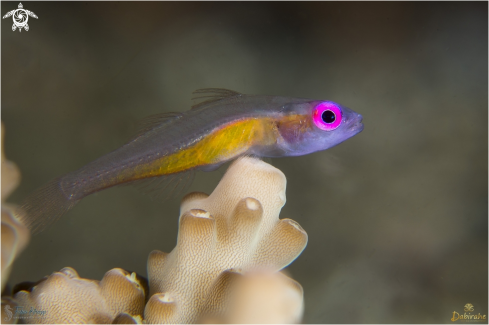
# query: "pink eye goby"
[200,139]
[327,116]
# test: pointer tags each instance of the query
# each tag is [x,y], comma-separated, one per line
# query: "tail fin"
[45,206]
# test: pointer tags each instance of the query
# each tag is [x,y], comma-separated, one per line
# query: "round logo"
[20,18]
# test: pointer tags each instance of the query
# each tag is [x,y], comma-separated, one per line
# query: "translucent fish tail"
[45,206]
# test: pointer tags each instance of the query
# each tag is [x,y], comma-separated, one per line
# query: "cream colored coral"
[8,310]
[15,236]
[236,228]
[261,296]
[67,298]
[211,274]
[10,172]
[265,297]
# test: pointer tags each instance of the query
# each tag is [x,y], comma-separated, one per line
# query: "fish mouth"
[358,126]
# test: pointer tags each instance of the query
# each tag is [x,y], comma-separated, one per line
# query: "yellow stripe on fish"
[227,142]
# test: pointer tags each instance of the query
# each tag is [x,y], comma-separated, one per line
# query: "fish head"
[313,126]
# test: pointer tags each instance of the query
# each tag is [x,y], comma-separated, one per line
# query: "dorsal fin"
[150,122]
[205,96]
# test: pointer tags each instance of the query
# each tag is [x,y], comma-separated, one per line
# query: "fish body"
[223,127]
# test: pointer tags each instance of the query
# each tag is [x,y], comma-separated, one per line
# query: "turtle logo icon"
[20,17]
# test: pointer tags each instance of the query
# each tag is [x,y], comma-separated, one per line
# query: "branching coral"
[236,227]
[261,296]
[10,173]
[64,297]
[216,271]
[15,235]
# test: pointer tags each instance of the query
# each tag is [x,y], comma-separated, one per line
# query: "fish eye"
[327,116]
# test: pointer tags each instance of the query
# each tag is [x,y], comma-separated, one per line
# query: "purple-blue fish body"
[170,147]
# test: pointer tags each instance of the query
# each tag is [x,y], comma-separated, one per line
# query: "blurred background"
[396,216]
